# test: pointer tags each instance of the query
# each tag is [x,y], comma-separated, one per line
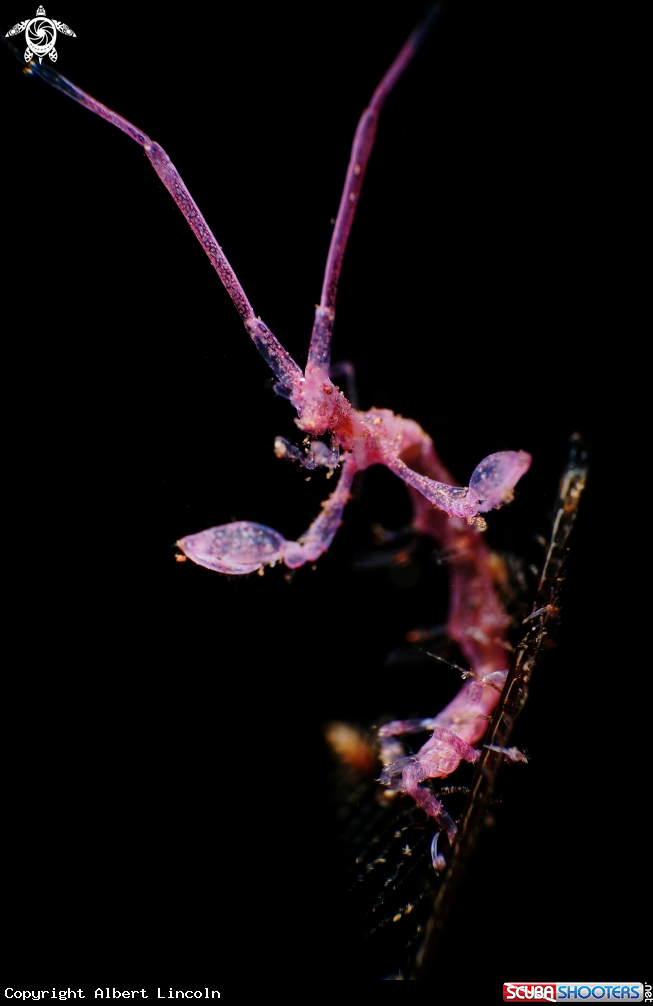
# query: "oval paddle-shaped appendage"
[240,547]
[494,479]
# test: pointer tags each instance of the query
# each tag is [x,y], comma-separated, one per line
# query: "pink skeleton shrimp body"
[450,514]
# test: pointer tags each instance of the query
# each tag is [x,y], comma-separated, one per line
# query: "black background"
[165,762]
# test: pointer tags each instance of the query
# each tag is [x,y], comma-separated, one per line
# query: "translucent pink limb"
[417,772]
[400,727]
[511,754]
[393,754]
[244,547]
[319,354]
[283,366]
[322,531]
[492,484]
[316,454]
[406,775]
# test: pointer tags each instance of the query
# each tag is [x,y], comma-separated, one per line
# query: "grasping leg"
[492,484]
[244,547]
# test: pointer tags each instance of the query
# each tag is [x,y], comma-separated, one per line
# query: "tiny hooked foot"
[439,862]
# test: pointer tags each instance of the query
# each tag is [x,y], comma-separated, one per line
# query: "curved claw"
[438,860]
[240,547]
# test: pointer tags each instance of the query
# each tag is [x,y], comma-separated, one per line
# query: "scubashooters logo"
[40,35]
[572,992]
[111,993]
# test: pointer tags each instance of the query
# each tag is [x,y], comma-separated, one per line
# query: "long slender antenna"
[287,372]
[319,353]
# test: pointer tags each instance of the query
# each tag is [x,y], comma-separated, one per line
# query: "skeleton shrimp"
[356,440]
